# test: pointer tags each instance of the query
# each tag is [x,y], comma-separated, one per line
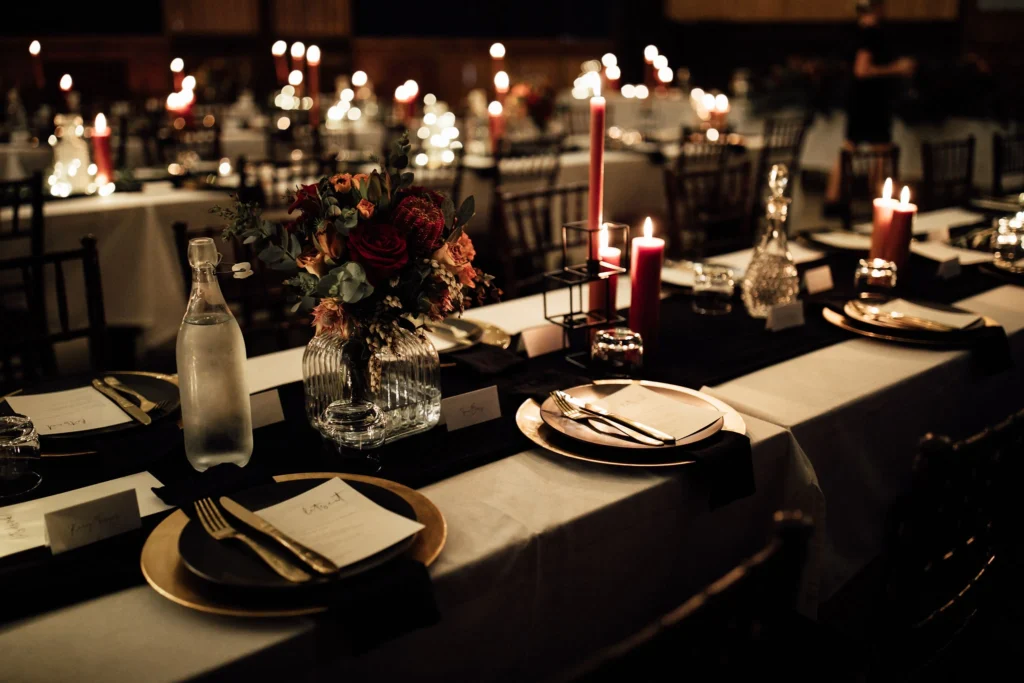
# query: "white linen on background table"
[141,275]
[933,221]
[858,409]
[18,160]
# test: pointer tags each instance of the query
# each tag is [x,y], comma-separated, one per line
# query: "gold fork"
[573,413]
[217,526]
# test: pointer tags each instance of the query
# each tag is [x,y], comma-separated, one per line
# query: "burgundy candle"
[34,48]
[280,64]
[881,215]
[495,124]
[646,258]
[893,243]
[101,151]
[596,180]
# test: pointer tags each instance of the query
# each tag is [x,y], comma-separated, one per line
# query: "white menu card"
[73,410]
[339,522]
[659,411]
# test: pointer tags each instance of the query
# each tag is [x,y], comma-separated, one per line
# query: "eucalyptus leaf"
[456,234]
[466,212]
[402,162]
[352,282]
[272,254]
[328,284]
[287,265]
[250,239]
[307,303]
[448,209]
[373,192]
[294,246]
[407,179]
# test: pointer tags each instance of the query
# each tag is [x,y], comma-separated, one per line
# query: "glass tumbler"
[713,289]
[617,352]
[875,275]
[19,448]
[1008,245]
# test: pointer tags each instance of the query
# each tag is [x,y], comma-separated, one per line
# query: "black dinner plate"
[156,388]
[231,563]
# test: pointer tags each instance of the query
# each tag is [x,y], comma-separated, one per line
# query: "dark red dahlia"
[421,221]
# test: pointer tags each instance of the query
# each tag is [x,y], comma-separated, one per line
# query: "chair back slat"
[862,174]
[783,144]
[1007,160]
[27,345]
[948,173]
[710,209]
[528,239]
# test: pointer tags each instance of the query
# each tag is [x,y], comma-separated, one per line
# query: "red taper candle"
[313,60]
[891,241]
[101,151]
[495,124]
[648,253]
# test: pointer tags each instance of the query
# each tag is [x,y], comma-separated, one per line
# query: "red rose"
[421,221]
[307,200]
[380,249]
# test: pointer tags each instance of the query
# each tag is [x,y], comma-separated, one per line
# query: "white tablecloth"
[139,267]
[19,160]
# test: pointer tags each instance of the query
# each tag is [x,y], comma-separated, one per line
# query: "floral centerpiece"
[370,255]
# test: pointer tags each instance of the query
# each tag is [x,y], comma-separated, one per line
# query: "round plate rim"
[708,431]
[840,321]
[426,548]
[976,325]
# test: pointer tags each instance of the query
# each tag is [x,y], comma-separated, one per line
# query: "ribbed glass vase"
[335,369]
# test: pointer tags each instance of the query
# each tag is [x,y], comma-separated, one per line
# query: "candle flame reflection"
[887,189]
[648,228]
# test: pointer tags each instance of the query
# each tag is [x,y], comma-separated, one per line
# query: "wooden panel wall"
[311,17]
[804,10]
[224,17]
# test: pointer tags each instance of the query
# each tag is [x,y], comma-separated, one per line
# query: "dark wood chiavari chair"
[575,120]
[738,628]
[950,557]
[534,162]
[783,144]
[700,154]
[863,172]
[26,346]
[260,303]
[1007,160]
[27,289]
[529,232]
[710,210]
[948,173]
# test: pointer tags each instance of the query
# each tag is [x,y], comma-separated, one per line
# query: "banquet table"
[548,559]
[20,159]
[139,267]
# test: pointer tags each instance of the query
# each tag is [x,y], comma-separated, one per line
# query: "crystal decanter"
[772,279]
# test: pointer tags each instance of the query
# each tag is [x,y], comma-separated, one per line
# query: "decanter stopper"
[778,179]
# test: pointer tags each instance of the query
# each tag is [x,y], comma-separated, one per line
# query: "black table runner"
[693,351]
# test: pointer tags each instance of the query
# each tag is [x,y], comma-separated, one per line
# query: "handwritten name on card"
[949,269]
[85,523]
[818,279]
[784,316]
[471,408]
[537,341]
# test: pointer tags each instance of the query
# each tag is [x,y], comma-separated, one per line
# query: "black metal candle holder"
[578,322]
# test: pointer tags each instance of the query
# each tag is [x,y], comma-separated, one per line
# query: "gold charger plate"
[165,572]
[173,379]
[840,321]
[531,424]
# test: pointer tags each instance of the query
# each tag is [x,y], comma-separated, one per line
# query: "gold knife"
[307,555]
[608,415]
[124,404]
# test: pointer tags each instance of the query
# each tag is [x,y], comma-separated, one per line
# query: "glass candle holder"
[1008,245]
[875,275]
[618,352]
[356,430]
[713,289]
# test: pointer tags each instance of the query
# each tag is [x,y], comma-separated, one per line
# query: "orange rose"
[457,258]
[365,207]
[359,179]
[313,261]
[342,182]
[328,243]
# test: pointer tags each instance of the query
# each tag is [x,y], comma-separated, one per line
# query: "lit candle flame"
[295,77]
[887,189]
[609,59]
[494,108]
[613,72]
[497,51]
[665,74]
[34,47]
[501,81]
[905,196]
[660,62]
[298,49]
[602,237]
[722,102]
[412,88]
[279,48]
[650,52]
[65,82]
[188,83]
[648,228]
[177,64]
[100,127]
[313,55]
[359,79]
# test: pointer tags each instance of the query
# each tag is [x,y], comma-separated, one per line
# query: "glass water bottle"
[211,370]
[771,278]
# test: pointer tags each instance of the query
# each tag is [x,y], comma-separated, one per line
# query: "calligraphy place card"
[471,408]
[85,523]
[818,279]
[784,316]
[537,341]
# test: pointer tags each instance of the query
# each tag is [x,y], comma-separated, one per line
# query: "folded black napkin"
[486,359]
[371,608]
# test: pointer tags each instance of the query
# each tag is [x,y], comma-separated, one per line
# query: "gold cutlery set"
[218,527]
[112,388]
[581,411]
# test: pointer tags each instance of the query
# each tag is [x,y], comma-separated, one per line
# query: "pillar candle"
[313,61]
[280,64]
[596,181]
[613,257]
[101,151]
[647,255]
[892,241]
[495,124]
[881,222]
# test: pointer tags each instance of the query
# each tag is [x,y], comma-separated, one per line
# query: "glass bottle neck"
[206,301]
